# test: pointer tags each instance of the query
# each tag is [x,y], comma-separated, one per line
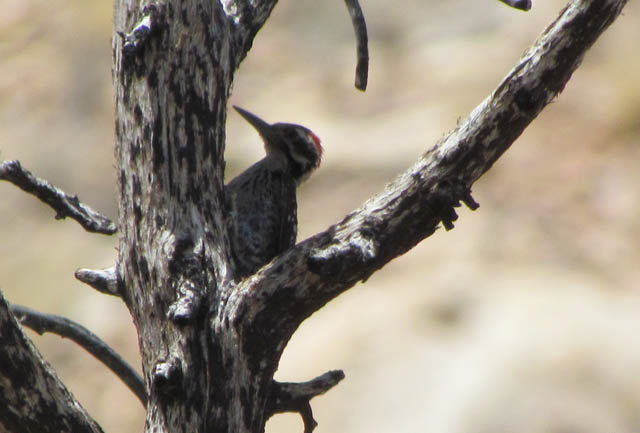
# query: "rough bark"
[284,293]
[64,204]
[66,328]
[210,345]
[32,398]
[173,67]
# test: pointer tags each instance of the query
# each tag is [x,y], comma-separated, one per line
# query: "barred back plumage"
[261,201]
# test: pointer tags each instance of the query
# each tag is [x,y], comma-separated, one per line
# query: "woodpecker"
[261,202]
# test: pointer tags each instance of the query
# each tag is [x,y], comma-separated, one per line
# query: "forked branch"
[66,328]
[302,280]
[296,397]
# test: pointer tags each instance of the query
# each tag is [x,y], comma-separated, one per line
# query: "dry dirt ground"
[525,318]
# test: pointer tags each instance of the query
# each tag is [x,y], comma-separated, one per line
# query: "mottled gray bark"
[173,68]
[64,204]
[210,344]
[300,281]
[66,328]
[210,367]
[32,398]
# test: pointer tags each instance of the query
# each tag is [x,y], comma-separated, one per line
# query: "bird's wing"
[262,216]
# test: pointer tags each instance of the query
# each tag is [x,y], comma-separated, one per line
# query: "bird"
[261,204]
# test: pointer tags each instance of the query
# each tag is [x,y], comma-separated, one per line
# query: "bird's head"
[300,145]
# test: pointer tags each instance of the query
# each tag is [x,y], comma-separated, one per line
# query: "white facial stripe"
[302,148]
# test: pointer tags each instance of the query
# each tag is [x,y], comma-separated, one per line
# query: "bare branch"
[360,28]
[296,397]
[214,366]
[103,280]
[64,204]
[252,15]
[297,283]
[32,398]
[523,5]
[66,328]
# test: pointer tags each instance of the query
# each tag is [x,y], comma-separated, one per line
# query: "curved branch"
[296,397]
[249,16]
[64,204]
[32,398]
[360,29]
[66,328]
[297,283]
[523,5]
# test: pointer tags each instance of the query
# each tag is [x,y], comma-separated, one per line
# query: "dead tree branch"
[66,328]
[211,345]
[296,397]
[362,41]
[32,398]
[64,204]
[281,295]
[103,280]
[523,5]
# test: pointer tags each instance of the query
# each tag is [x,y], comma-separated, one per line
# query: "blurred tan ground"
[525,318]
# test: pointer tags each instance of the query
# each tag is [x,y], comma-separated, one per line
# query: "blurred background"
[525,318]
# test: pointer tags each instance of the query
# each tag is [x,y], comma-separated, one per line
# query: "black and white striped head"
[301,146]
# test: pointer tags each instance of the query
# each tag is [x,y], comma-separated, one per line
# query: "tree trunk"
[210,344]
[172,76]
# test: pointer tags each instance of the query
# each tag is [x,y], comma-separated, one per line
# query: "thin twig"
[64,204]
[66,328]
[523,5]
[360,28]
[295,397]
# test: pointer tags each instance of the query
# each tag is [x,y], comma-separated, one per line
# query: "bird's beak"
[263,128]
